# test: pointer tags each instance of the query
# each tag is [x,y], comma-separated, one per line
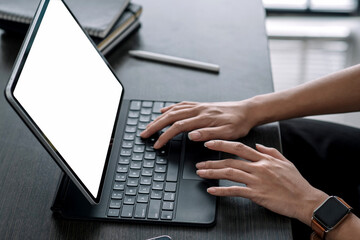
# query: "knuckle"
[179,125]
[229,172]
[228,162]
[239,147]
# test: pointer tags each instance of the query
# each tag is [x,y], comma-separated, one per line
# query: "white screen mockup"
[71,94]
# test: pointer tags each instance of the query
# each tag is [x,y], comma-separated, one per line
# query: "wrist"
[262,109]
[307,205]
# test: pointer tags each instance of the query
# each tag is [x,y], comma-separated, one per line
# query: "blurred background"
[312,38]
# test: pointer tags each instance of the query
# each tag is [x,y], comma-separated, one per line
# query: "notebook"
[67,94]
[124,26]
[97,17]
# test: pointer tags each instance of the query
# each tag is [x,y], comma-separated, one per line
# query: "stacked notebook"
[108,22]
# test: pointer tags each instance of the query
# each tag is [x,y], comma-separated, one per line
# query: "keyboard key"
[134,114]
[135,165]
[158,186]
[139,148]
[134,173]
[113,212]
[125,152]
[150,155]
[148,172]
[160,168]
[130,129]
[144,118]
[127,144]
[120,177]
[147,104]
[117,195]
[137,156]
[132,182]
[119,186]
[132,121]
[115,204]
[135,105]
[149,163]
[129,136]
[156,194]
[127,211]
[145,180]
[166,215]
[142,125]
[161,160]
[144,189]
[143,198]
[160,177]
[122,168]
[140,210]
[131,191]
[130,200]
[157,107]
[169,196]
[170,187]
[154,209]
[168,205]
[124,160]
[145,111]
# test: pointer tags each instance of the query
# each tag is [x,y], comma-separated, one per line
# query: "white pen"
[175,60]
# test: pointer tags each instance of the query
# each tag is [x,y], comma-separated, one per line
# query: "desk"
[230,33]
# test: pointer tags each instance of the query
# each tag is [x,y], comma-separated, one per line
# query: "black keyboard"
[145,180]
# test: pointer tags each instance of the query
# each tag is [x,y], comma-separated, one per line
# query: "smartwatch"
[328,215]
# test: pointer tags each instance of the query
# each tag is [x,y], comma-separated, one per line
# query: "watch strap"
[314,236]
[320,231]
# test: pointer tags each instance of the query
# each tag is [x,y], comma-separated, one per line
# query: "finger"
[165,109]
[165,121]
[226,163]
[176,128]
[231,174]
[233,191]
[164,115]
[210,133]
[270,151]
[235,148]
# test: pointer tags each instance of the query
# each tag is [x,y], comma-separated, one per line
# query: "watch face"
[331,212]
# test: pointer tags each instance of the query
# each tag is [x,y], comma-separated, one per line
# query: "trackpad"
[196,152]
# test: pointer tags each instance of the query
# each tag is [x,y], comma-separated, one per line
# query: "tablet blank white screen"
[71,94]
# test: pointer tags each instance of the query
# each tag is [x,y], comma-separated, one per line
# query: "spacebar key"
[173,161]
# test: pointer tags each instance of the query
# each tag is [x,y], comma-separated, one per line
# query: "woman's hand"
[271,180]
[225,120]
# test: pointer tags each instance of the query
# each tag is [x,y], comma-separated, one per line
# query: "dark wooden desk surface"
[230,33]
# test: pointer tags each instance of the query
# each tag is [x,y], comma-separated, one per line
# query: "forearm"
[336,93]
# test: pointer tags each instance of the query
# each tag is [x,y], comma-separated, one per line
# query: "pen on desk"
[175,60]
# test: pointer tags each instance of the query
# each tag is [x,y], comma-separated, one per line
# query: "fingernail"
[211,190]
[259,145]
[209,144]
[194,135]
[200,165]
[200,172]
